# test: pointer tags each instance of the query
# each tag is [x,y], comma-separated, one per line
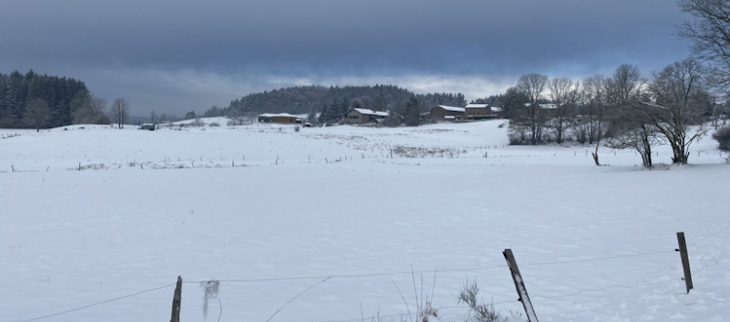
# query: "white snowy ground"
[327,208]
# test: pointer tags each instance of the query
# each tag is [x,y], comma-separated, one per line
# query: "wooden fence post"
[520,285]
[685,260]
[176,299]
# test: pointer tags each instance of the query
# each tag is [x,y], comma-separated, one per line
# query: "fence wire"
[324,278]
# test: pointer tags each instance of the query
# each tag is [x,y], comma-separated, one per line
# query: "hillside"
[305,99]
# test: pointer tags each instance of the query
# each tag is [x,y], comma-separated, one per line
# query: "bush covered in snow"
[722,136]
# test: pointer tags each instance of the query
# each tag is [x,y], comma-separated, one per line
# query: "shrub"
[214,124]
[479,312]
[722,136]
[518,135]
[296,128]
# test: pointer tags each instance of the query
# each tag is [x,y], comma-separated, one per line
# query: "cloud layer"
[178,55]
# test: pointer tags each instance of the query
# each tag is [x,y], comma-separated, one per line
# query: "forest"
[53,96]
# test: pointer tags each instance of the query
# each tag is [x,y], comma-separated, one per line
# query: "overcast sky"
[174,56]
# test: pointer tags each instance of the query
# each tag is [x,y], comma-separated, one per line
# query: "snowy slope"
[327,208]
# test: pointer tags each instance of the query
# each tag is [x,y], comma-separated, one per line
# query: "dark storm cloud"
[328,39]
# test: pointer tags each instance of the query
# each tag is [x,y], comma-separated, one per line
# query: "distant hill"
[315,99]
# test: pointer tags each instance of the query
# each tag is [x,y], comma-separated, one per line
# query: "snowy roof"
[496,109]
[477,106]
[650,104]
[452,108]
[366,111]
[548,106]
[277,115]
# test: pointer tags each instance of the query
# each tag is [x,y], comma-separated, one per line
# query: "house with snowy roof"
[548,109]
[363,116]
[448,113]
[469,112]
[281,118]
[478,112]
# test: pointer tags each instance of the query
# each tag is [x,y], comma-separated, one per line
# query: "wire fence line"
[98,303]
[605,288]
[324,278]
[348,276]
[709,236]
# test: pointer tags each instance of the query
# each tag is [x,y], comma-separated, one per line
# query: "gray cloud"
[176,55]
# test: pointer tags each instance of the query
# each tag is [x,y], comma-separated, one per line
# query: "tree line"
[626,110]
[329,104]
[621,111]
[42,101]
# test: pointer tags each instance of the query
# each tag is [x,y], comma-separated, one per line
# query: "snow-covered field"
[321,224]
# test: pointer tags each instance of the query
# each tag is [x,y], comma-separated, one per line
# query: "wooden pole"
[176,299]
[520,285]
[685,261]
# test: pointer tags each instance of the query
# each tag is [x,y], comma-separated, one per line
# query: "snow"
[452,108]
[324,220]
[221,120]
[477,105]
[366,111]
[549,106]
[279,115]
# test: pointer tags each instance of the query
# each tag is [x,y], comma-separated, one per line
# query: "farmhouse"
[478,112]
[448,113]
[363,116]
[282,118]
[550,110]
[497,112]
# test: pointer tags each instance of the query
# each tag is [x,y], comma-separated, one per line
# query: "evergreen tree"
[324,114]
[412,115]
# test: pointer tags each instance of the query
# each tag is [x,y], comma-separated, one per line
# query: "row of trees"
[624,109]
[627,111]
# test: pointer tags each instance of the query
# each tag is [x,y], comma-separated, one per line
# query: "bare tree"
[594,96]
[87,109]
[532,86]
[564,92]
[679,98]
[98,107]
[710,31]
[120,112]
[37,113]
[633,131]
[630,129]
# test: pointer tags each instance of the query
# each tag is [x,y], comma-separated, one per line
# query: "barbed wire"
[97,304]
[714,260]
[411,272]
[709,236]
[596,259]
[603,288]
[346,276]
